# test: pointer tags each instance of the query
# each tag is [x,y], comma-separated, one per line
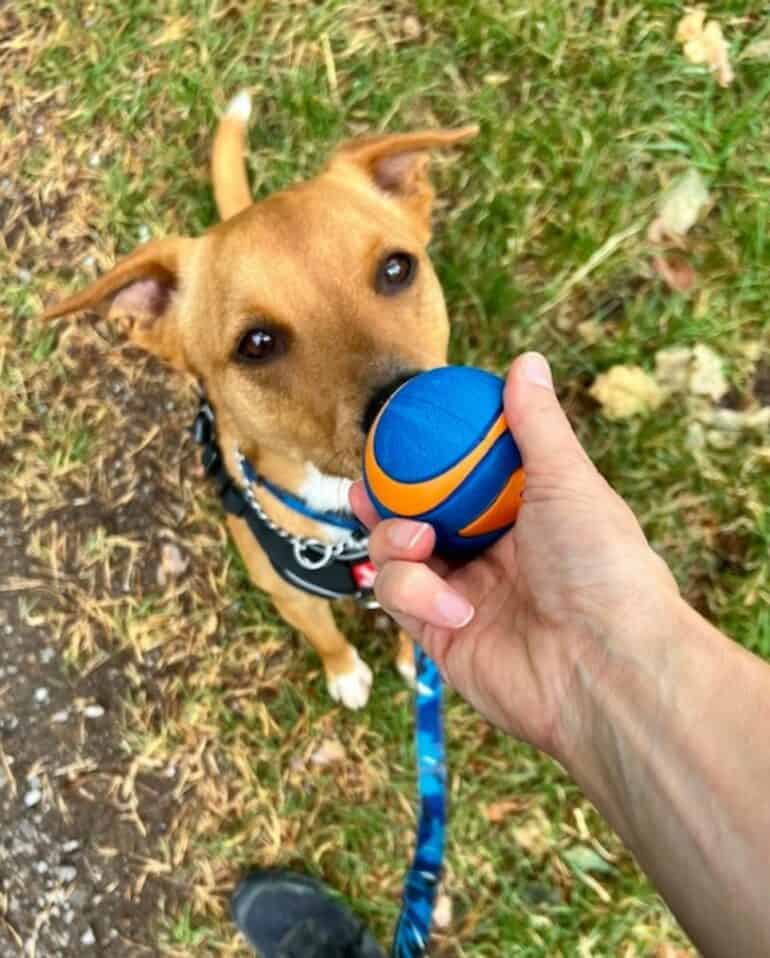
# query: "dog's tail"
[228,170]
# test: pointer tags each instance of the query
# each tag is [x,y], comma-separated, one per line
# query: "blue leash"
[421,885]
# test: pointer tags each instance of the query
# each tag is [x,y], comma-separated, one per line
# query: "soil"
[73,848]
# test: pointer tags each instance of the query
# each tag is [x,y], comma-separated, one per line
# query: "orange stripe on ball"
[413,498]
[503,510]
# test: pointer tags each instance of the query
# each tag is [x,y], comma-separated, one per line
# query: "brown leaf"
[676,273]
[667,950]
[705,44]
[679,208]
[330,752]
[172,564]
[498,811]
[625,391]
[411,27]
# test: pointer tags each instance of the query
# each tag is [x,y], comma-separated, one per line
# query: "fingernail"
[536,370]
[454,610]
[405,534]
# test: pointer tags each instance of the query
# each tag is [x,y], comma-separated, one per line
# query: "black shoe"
[285,915]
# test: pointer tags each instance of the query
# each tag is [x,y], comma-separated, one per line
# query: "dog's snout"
[381,395]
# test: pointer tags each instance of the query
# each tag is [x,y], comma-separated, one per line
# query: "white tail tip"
[240,106]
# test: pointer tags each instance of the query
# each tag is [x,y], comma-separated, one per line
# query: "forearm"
[675,752]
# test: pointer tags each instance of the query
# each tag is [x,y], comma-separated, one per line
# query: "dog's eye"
[258,345]
[395,273]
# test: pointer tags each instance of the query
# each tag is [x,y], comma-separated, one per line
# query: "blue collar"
[339,520]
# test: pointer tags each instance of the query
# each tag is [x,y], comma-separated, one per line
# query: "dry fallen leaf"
[705,44]
[676,273]
[534,835]
[672,368]
[172,564]
[697,370]
[411,27]
[625,391]
[499,811]
[690,26]
[707,377]
[442,914]
[175,28]
[735,420]
[679,209]
[666,950]
[591,331]
[329,752]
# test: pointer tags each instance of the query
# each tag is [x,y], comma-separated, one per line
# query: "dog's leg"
[405,658]
[348,677]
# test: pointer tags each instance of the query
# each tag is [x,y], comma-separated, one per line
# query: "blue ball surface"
[440,451]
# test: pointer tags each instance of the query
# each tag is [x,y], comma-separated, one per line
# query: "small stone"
[47,655]
[60,717]
[67,873]
[41,867]
[71,846]
[24,275]
[33,797]
[93,711]
[88,937]
[41,695]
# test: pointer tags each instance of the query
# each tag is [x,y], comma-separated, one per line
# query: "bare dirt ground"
[80,824]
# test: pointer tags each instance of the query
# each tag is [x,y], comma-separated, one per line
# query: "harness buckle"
[304,550]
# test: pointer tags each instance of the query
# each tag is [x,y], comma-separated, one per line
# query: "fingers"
[414,593]
[362,506]
[535,417]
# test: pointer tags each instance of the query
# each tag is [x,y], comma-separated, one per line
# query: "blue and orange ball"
[440,451]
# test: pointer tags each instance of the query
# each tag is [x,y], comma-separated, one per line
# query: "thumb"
[538,423]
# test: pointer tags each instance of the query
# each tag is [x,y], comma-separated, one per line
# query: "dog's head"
[298,314]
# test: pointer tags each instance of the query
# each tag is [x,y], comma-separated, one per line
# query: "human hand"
[519,629]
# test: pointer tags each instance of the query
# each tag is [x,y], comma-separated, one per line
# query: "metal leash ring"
[303,548]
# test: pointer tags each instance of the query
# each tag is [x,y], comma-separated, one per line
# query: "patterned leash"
[421,885]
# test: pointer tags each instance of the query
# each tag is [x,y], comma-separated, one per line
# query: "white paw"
[353,688]
[408,673]
[240,106]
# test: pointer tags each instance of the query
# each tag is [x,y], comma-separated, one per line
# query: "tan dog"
[295,315]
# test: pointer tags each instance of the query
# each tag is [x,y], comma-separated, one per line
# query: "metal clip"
[302,547]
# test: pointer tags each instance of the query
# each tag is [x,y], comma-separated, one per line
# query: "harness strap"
[305,563]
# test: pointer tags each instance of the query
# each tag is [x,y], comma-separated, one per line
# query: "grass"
[587,111]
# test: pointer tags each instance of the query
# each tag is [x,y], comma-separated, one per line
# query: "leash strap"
[421,885]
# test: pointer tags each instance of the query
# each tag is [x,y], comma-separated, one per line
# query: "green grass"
[587,110]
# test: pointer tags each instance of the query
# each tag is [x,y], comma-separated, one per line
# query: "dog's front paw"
[407,671]
[352,688]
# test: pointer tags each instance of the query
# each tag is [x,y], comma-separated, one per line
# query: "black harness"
[331,571]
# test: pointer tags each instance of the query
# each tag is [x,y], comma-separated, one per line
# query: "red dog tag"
[364,574]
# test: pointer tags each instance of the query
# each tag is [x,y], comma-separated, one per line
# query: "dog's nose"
[381,396]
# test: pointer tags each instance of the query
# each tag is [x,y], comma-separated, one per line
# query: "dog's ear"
[397,165]
[140,293]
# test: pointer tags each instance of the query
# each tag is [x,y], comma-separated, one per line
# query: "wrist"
[624,671]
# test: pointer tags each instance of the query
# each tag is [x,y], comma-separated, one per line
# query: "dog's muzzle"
[381,396]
